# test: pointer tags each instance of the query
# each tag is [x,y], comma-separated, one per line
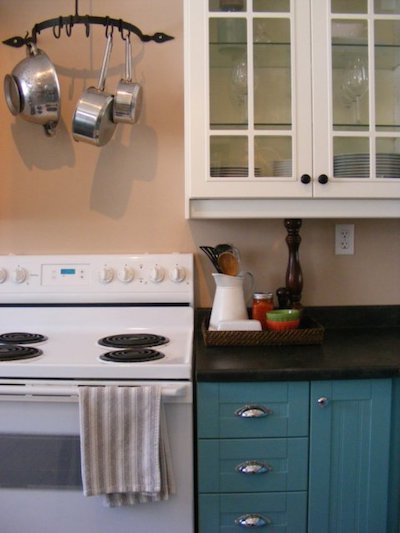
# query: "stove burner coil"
[12,352]
[21,338]
[132,355]
[133,340]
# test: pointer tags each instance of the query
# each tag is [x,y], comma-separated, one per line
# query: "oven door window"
[40,461]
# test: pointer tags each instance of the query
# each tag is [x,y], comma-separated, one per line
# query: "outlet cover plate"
[344,239]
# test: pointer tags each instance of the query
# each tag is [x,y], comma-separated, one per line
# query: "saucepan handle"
[104,66]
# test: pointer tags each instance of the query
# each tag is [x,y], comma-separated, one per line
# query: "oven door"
[40,483]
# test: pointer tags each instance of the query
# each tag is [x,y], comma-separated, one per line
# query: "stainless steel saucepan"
[92,121]
[128,97]
[32,90]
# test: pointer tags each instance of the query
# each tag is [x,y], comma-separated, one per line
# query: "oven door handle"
[72,391]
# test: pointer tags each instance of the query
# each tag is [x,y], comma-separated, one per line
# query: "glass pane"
[228,73]
[351,157]
[387,72]
[227,5]
[228,156]
[349,6]
[350,77]
[387,6]
[273,156]
[388,158]
[272,74]
[40,461]
[281,6]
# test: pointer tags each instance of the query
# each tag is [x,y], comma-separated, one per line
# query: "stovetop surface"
[72,349]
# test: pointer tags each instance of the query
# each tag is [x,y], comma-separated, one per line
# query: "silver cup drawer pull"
[253,467]
[253,411]
[253,520]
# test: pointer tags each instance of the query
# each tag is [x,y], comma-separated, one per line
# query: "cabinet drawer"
[283,463]
[283,407]
[285,512]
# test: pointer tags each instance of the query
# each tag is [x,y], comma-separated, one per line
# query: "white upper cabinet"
[292,108]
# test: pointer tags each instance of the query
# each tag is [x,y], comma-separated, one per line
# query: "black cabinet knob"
[323,178]
[305,178]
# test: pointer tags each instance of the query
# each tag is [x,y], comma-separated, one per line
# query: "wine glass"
[239,80]
[355,82]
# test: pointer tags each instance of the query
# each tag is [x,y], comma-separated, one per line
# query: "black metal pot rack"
[67,23]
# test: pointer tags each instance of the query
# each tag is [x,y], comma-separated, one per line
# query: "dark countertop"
[359,342]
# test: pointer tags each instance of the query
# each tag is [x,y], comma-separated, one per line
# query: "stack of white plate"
[357,166]
[282,168]
[222,172]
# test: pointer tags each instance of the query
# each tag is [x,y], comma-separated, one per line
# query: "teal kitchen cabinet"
[294,457]
[349,456]
[253,456]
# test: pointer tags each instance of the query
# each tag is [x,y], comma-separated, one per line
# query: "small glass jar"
[262,303]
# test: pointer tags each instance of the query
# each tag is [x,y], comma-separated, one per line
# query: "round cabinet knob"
[323,401]
[177,274]
[305,178]
[322,179]
[19,275]
[3,275]
[106,275]
[156,274]
[126,274]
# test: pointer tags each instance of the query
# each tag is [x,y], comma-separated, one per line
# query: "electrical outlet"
[344,239]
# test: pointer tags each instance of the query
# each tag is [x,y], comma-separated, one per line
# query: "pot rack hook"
[57,28]
[68,26]
[108,26]
[121,31]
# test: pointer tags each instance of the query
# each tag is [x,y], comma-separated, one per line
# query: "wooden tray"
[309,332]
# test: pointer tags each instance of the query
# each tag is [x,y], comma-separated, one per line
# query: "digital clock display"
[68,271]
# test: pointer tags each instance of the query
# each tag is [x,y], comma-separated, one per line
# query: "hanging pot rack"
[68,22]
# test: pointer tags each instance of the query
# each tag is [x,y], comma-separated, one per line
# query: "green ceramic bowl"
[283,315]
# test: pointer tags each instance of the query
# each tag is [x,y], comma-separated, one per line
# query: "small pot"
[32,90]
[92,120]
[128,98]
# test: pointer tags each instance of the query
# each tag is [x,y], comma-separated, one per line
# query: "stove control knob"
[19,275]
[3,275]
[106,274]
[156,274]
[125,274]
[177,274]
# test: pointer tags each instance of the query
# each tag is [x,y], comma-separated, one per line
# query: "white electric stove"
[60,313]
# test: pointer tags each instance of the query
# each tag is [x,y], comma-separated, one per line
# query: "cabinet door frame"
[323,117]
[337,437]
[199,184]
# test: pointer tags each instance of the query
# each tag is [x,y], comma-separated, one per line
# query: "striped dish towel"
[125,452]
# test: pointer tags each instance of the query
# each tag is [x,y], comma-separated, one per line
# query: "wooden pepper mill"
[294,275]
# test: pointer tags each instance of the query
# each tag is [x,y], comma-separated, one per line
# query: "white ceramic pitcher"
[229,299]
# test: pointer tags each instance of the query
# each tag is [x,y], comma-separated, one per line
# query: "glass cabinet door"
[361,114]
[253,118]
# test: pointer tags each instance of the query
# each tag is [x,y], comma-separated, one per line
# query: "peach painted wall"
[59,196]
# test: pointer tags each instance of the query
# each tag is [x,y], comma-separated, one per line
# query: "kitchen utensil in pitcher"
[92,121]
[128,97]
[212,256]
[228,259]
